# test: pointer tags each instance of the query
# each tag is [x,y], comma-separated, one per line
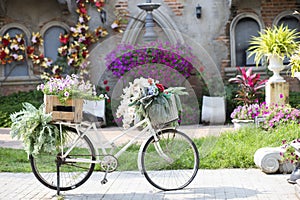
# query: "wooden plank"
[51,102]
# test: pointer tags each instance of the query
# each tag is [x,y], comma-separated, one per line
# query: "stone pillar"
[277,92]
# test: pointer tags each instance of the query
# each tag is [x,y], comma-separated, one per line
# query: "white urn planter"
[276,66]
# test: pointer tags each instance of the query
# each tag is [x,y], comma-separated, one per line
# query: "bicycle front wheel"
[170,161]
[72,174]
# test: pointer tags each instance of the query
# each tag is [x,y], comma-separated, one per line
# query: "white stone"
[269,160]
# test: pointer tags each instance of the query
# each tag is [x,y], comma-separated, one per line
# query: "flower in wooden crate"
[70,87]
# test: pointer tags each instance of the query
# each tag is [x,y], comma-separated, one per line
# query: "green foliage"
[280,41]
[13,103]
[294,98]
[231,104]
[295,62]
[235,149]
[33,127]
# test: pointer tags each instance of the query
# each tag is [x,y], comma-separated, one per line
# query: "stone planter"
[276,66]
[239,123]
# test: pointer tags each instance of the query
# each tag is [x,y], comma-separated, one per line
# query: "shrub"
[13,103]
[295,99]
[249,86]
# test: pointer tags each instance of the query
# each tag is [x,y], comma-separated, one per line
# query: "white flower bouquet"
[147,98]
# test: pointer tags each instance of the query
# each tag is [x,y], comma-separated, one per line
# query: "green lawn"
[234,149]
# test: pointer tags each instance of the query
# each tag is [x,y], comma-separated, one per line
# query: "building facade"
[219,37]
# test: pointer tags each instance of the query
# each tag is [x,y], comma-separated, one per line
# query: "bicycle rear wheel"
[171,162]
[72,174]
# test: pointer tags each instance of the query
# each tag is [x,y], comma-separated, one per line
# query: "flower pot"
[239,123]
[276,66]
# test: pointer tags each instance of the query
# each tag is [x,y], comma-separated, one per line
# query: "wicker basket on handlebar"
[163,111]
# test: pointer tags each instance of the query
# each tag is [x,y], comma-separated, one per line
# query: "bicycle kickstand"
[104,180]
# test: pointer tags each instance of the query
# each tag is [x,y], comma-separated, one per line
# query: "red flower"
[64,39]
[107,88]
[98,4]
[2,54]
[160,87]
[30,50]
[83,10]
[5,42]
[105,82]
[84,54]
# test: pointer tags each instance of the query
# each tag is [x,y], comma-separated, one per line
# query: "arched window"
[291,22]
[51,41]
[287,18]
[242,29]
[19,68]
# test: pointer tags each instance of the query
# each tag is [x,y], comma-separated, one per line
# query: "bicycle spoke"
[157,156]
[72,174]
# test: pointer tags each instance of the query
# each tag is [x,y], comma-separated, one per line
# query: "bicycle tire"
[72,175]
[169,171]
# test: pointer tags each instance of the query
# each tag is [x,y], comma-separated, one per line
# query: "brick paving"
[221,184]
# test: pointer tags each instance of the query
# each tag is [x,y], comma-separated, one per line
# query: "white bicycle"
[168,158]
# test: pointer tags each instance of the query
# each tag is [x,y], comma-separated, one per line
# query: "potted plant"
[275,44]
[244,115]
[65,95]
[249,84]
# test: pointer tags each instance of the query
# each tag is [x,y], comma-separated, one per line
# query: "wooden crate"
[71,111]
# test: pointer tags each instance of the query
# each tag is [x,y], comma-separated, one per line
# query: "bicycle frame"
[102,145]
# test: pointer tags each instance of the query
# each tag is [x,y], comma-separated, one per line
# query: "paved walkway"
[231,184]
[221,184]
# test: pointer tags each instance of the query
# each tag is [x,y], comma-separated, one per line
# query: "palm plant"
[280,41]
[249,85]
[295,62]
